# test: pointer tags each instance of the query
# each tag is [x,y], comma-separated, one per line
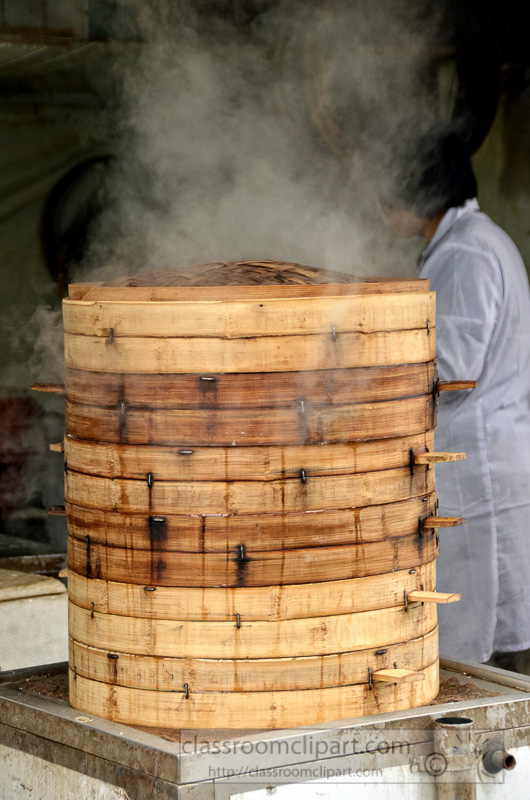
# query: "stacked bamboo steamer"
[250,497]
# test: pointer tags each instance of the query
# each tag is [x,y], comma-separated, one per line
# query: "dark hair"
[429,169]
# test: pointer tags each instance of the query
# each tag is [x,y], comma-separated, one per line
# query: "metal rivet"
[380,652]
[123,408]
[149,588]
[412,571]
[303,476]
[112,655]
[395,665]
[241,552]
[186,691]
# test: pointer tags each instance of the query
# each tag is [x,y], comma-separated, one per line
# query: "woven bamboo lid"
[233,279]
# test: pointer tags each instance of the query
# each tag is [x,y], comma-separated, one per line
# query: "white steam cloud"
[245,142]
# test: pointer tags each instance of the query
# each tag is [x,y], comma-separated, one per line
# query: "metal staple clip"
[207,378]
[406,597]
[150,479]
[91,609]
[241,554]
[186,452]
[186,691]
[370,682]
[428,328]
[238,620]
[111,336]
[420,527]
[411,461]
[380,652]
[75,673]
[303,476]
[302,407]
[149,588]
[158,527]
[334,333]
[87,543]
[112,655]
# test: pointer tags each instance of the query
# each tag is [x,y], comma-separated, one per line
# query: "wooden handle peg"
[443,522]
[51,388]
[57,447]
[57,511]
[433,597]
[397,676]
[455,386]
[438,458]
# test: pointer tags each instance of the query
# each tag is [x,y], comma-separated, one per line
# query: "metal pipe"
[455,762]
[495,758]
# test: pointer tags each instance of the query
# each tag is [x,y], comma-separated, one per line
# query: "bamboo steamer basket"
[250,496]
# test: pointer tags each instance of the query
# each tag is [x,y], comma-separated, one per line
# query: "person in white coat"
[483,334]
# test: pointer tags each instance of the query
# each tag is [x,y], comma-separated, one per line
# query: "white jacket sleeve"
[468,293]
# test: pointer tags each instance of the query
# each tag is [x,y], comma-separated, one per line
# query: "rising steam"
[250,141]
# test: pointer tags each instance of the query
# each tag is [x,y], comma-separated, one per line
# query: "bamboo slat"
[253,603]
[455,386]
[433,597]
[438,458]
[258,354]
[50,388]
[261,709]
[250,675]
[443,522]
[261,568]
[240,463]
[56,511]
[243,318]
[251,390]
[287,638]
[231,427]
[398,676]
[246,497]
[210,534]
